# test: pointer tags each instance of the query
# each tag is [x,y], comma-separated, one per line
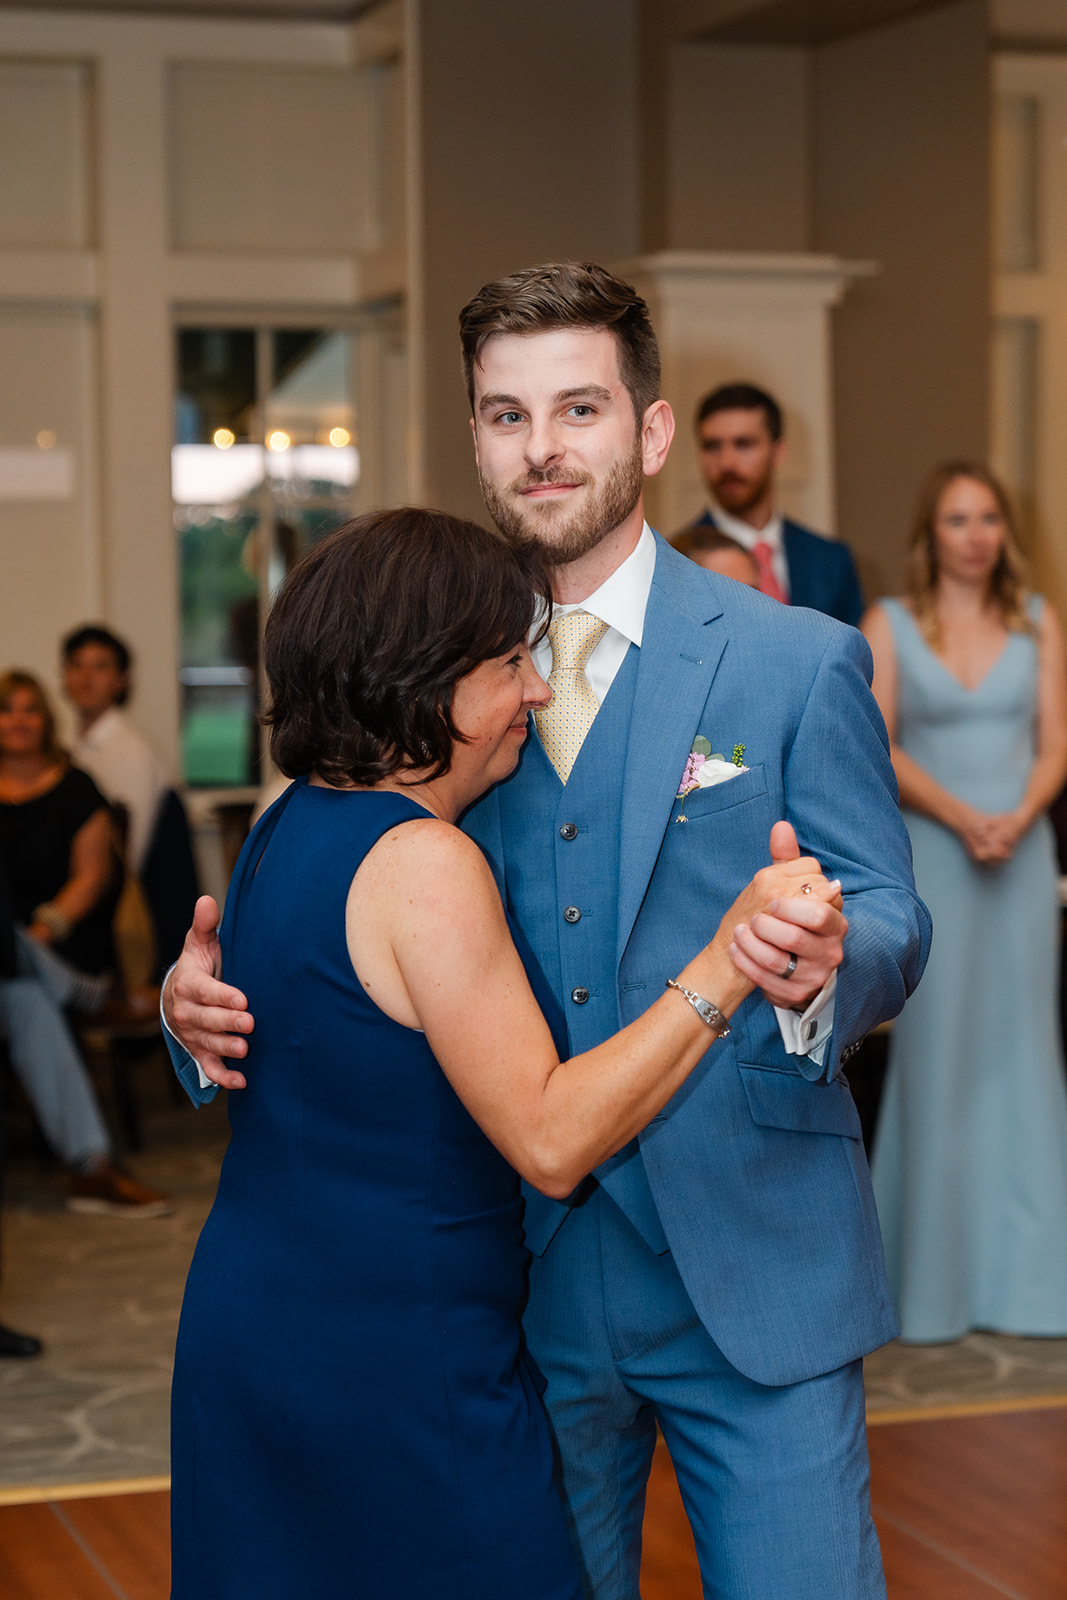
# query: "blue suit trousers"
[775,1480]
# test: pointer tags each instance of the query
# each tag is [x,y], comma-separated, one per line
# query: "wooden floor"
[971,1508]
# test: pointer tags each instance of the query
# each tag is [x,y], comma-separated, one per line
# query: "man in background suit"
[722,1274]
[740,439]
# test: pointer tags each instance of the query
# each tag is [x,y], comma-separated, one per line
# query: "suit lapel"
[683,640]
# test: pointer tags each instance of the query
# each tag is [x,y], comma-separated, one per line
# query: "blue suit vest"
[564,888]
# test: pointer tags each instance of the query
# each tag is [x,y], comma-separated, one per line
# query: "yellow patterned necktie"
[568,717]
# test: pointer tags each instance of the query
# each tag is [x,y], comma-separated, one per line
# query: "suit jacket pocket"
[780,1099]
[734,792]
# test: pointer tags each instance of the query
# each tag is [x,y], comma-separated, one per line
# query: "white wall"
[737,147]
[151,170]
[1029,377]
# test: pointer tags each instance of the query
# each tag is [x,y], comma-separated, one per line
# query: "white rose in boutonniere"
[703,770]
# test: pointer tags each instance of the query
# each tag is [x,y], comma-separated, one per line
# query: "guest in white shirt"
[129,771]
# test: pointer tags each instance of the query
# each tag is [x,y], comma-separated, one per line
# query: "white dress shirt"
[748,536]
[127,770]
[621,602]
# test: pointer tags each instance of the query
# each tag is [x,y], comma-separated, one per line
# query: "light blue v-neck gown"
[970,1162]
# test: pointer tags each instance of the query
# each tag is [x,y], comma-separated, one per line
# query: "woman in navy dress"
[353,1411]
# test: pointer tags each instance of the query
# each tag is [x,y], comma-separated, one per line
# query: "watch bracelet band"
[706,1010]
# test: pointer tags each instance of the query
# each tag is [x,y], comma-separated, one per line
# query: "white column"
[135,363]
[762,319]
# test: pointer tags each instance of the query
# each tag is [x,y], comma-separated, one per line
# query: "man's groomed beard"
[558,536]
[740,495]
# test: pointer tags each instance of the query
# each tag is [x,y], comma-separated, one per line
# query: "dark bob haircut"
[373,629]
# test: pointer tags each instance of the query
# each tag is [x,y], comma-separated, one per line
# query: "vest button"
[569,830]
[572,914]
[579,996]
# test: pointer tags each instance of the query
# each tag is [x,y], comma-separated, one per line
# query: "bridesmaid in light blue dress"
[970,1162]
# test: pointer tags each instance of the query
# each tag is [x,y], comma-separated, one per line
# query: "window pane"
[216,384]
[259,475]
[219,643]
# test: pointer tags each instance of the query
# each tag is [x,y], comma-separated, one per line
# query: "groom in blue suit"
[722,1275]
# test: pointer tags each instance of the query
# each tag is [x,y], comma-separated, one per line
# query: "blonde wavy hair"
[17,679]
[1008,589]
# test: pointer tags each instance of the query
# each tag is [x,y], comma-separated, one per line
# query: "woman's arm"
[92,864]
[918,789]
[430,944]
[1050,762]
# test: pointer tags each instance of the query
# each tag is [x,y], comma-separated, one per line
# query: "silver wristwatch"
[705,1009]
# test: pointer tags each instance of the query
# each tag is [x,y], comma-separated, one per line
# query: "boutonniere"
[703,770]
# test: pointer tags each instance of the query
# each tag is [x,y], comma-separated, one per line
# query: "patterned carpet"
[104,1294]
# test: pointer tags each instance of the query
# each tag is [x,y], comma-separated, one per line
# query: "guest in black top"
[64,877]
[55,834]
[11,1343]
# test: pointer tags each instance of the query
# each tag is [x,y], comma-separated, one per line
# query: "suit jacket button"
[579,996]
[568,831]
[572,914]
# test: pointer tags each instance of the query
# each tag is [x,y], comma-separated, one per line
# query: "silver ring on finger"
[791,968]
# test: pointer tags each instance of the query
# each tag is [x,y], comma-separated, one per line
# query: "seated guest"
[740,439]
[158,849]
[55,832]
[717,552]
[55,842]
[11,1343]
[96,681]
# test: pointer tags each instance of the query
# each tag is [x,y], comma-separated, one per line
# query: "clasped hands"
[804,920]
[211,1017]
[989,837]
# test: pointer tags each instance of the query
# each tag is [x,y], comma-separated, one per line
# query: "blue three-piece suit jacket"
[754,1175]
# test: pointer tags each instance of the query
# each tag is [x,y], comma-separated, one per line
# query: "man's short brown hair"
[566,294]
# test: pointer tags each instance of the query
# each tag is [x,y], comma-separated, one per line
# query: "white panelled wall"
[150,172]
[1029,387]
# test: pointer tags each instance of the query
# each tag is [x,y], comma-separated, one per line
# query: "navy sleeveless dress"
[353,1409]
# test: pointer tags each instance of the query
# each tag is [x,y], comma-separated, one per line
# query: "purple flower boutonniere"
[703,770]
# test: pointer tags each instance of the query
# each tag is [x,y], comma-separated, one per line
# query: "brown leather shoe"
[109,1192]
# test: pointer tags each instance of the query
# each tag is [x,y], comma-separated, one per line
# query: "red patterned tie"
[768,578]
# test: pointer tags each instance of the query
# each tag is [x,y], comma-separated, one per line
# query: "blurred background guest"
[64,877]
[719,553]
[157,846]
[11,1343]
[970,1161]
[107,745]
[56,834]
[740,440]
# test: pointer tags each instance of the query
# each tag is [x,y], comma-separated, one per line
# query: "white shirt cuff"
[205,1081]
[808,1034]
